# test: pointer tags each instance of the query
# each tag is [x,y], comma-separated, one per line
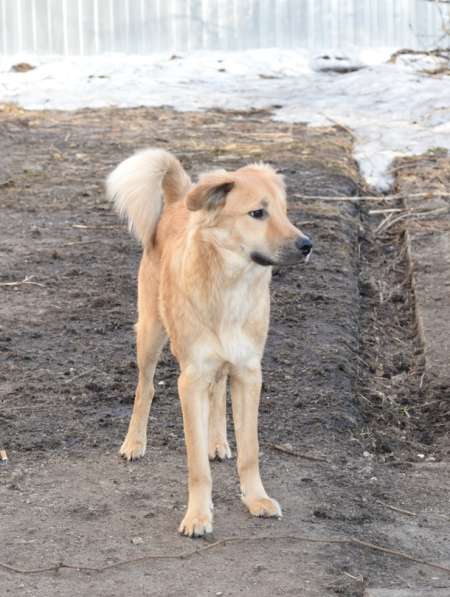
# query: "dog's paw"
[196,525]
[133,448]
[265,507]
[219,450]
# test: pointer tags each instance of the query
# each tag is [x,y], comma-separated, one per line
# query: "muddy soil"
[68,373]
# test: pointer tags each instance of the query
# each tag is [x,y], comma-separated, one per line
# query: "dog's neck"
[210,266]
[227,263]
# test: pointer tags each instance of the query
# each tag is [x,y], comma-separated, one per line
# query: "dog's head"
[247,212]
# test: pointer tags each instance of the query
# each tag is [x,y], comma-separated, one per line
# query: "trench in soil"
[389,386]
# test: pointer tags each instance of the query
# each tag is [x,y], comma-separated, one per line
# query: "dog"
[208,252]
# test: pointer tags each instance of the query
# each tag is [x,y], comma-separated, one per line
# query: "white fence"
[72,27]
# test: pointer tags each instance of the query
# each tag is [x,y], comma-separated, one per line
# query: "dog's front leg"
[245,394]
[193,390]
[218,447]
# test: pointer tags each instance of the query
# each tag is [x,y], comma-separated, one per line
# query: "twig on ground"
[26,280]
[386,220]
[401,510]
[227,540]
[411,214]
[82,374]
[353,199]
[422,377]
[435,52]
[358,578]
[4,184]
[80,242]
[99,227]
[385,211]
[356,198]
[340,125]
[429,160]
[287,450]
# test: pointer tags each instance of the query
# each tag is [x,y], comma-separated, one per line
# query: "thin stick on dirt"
[26,280]
[385,211]
[340,125]
[382,224]
[412,214]
[287,450]
[401,510]
[227,540]
[428,195]
[99,227]
[80,242]
[81,374]
[357,578]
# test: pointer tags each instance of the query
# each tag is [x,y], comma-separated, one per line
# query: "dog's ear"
[210,193]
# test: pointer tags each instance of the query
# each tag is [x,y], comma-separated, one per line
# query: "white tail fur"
[137,187]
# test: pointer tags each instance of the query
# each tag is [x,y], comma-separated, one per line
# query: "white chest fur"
[241,322]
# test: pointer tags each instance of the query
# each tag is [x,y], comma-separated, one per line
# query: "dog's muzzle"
[295,251]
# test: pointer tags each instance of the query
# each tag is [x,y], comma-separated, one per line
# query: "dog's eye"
[258,214]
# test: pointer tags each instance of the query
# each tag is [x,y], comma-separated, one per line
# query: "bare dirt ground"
[342,379]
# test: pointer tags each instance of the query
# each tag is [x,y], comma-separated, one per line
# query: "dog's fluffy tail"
[137,187]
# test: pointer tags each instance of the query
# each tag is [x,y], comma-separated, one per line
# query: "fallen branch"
[356,198]
[411,214]
[99,227]
[82,374]
[291,452]
[401,510]
[358,578]
[340,125]
[385,211]
[189,553]
[80,242]
[26,280]
[384,222]
[440,52]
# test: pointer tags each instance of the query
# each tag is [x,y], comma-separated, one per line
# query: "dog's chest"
[242,322]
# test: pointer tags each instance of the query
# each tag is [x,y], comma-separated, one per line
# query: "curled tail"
[137,187]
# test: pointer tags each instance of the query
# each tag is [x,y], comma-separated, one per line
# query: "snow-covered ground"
[393,109]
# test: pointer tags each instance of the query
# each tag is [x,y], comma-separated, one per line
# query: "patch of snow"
[392,109]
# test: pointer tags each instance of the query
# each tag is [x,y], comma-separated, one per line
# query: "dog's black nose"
[304,245]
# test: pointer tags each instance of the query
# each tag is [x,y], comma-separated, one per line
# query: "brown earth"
[331,378]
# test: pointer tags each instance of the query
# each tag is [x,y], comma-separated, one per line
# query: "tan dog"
[204,282]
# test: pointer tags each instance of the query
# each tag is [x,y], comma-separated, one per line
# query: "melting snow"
[392,109]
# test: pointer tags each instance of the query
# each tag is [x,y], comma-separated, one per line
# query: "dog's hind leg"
[150,338]
[218,447]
